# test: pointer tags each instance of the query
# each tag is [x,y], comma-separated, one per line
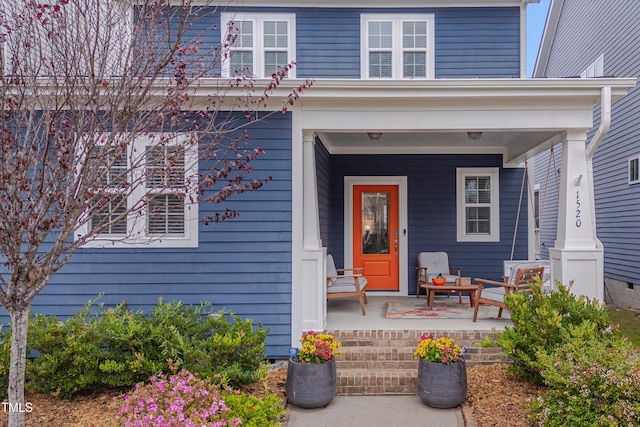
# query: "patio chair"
[430,264]
[346,285]
[520,280]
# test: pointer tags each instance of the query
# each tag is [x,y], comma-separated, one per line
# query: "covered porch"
[363,126]
[344,314]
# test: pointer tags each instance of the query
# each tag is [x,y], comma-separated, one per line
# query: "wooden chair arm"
[494,282]
[458,269]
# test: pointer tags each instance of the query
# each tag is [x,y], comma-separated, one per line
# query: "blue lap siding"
[469,42]
[242,265]
[431,181]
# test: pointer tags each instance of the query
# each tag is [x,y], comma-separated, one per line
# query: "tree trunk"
[17,407]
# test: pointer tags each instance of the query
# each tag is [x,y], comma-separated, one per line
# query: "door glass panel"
[375,223]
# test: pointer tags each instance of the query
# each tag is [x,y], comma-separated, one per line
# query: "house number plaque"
[578,214]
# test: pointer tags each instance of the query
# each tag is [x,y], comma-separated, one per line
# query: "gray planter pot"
[441,385]
[311,385]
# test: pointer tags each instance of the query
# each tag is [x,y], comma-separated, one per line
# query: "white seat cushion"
[436,263]
[346,284]
[342,284]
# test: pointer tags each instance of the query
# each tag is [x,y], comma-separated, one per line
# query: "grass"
[629,322]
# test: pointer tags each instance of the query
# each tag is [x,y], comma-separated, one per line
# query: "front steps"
[381,362]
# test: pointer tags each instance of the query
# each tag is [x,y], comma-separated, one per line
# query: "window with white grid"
[397,46]
[152,189]
[478,212]
[259,43]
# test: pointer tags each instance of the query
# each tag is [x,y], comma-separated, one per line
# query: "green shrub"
[592,382]
[81,354]
[202,341]
[567,343]
[541,322]
[5,356]
[117,347]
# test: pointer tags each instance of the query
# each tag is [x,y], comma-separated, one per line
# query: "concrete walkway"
[373,411]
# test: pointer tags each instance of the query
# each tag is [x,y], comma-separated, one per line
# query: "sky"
[536,16]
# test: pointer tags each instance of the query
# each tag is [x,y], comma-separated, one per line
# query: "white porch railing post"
[576,255]
[313,287]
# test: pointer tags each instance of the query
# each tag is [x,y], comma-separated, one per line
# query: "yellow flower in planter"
[318,347]
[439,350]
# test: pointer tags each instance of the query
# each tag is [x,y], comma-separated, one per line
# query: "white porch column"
[576,255]
[313,287]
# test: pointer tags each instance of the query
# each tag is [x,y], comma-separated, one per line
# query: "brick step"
[357,382]
[381,362]
[342,364]
[403,338]
[372,360]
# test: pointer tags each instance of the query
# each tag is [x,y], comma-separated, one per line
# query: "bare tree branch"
[103,129]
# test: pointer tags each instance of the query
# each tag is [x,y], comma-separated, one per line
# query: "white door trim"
[401,182]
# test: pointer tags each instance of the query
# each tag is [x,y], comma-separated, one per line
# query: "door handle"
[395,246]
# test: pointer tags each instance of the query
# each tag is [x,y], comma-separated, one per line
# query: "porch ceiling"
[514,145]
[517,117]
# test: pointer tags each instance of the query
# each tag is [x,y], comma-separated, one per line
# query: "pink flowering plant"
[317,347]
[439,350]
[185,400]
[181,399]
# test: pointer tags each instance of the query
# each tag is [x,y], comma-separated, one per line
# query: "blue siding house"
[598,40]
[414,137]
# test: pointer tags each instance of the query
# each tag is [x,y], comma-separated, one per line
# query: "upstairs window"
[259,44]
[478,205]
[397,46]
[634,170]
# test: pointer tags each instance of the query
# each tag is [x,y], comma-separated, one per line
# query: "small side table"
[468,288]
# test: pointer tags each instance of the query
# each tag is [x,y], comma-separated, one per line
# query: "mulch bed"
[497,398]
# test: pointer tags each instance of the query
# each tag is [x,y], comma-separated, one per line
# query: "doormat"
[447,309]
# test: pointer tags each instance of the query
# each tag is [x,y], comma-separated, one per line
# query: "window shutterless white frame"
[595,69]
[397,49]
[137,234]
[258,46]
[634,170]
[494,205]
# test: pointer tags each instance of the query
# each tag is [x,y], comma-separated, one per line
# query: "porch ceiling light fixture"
[374,136]
[474,136]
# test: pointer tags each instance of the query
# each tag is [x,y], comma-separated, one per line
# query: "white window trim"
[137,236]
[258,20]
[631,159]
[397,19]
[494,174]
[595,69]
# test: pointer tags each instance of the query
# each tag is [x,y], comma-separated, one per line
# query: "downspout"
[605,123]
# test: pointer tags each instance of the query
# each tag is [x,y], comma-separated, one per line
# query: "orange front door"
[375,235]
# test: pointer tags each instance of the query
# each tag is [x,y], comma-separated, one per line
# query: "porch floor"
[345,314]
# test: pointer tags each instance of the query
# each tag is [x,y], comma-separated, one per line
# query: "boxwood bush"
[118,347]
